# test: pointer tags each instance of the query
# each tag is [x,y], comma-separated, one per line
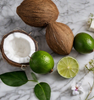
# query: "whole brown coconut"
[37,13]
[59,38]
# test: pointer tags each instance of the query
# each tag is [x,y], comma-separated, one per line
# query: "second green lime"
[41,62]
[83,43]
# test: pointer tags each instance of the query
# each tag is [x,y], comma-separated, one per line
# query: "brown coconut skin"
[6,58]
[59,38]
[37,13]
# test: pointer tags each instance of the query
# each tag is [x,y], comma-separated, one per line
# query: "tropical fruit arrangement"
[19,49]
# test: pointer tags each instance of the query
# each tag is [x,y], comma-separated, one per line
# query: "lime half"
[68,67]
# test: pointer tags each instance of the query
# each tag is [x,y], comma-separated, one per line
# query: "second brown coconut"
[59,38]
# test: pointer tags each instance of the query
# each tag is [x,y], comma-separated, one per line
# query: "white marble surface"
[74,13]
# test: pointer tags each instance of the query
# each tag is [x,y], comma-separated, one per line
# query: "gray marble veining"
[74,13]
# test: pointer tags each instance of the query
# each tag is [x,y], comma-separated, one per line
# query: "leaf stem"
[33,80]
[90,91]
[91,98]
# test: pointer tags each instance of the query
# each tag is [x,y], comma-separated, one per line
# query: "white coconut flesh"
[19,47]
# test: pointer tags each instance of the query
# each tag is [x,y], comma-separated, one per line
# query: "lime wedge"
[68,67]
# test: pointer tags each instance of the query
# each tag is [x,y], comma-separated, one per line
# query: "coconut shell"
[59,38]
[37,13]
[6,58]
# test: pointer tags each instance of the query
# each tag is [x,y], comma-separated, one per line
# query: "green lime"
[83,43]
[68,67]
[41,62]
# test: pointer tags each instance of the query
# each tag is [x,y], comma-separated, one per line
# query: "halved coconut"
[17,48]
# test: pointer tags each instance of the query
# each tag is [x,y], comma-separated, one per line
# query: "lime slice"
[68,67]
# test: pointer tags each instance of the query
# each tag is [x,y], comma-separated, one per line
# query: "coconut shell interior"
[4,55]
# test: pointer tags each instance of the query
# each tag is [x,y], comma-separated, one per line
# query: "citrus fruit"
[68,67]
[41,62]
[83,43]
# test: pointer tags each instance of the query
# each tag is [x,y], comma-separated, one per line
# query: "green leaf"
[16,78]
[42,91]
[34,77]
